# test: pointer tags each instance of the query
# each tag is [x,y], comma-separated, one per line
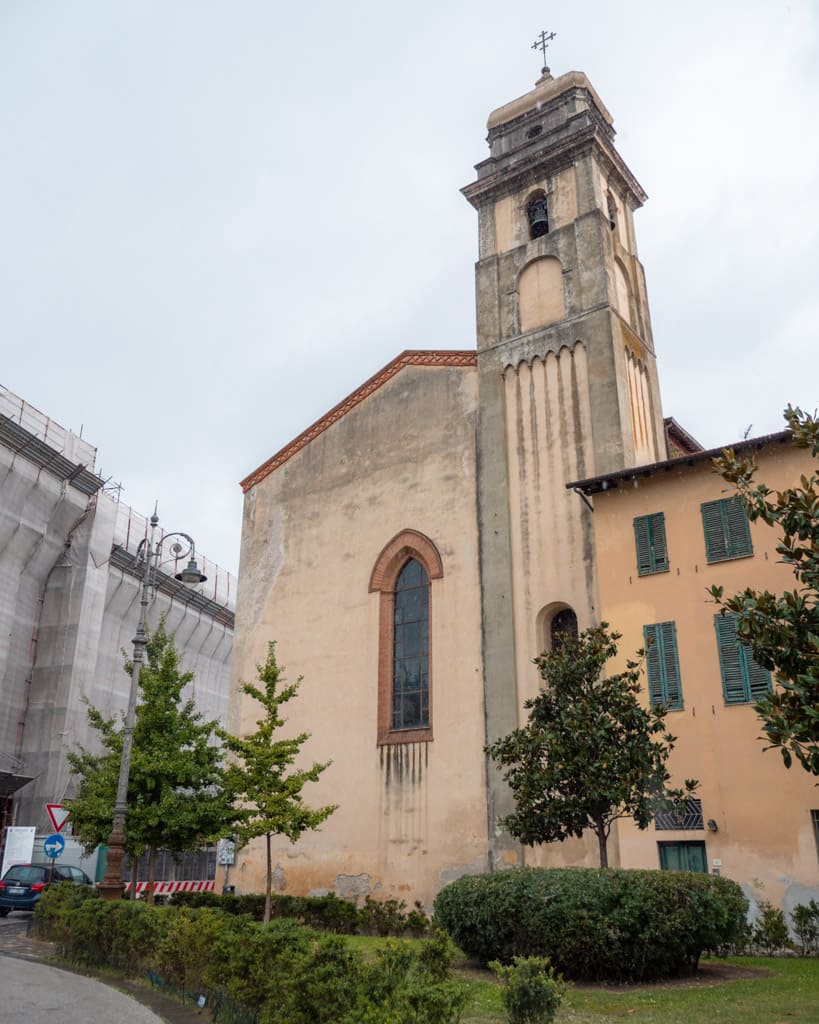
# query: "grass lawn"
[785,992]
[740,990]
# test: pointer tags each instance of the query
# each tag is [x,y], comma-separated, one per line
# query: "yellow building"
[665,534]
[413,550]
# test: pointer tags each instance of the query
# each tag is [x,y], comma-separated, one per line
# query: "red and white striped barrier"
[166,888]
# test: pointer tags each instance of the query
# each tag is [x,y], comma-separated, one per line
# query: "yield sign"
[59,815]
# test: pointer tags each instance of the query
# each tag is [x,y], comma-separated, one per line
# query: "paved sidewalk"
[37,990]
[37,993]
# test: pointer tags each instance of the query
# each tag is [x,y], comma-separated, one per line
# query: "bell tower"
[568,383]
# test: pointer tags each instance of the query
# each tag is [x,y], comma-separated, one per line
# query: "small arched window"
[612,207]
[537,213]
[563,627]
[402,576]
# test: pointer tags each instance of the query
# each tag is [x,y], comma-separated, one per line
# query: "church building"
[413,550]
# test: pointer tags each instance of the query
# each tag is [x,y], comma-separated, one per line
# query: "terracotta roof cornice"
[455,357]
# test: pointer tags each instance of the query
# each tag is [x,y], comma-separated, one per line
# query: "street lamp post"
[148,553]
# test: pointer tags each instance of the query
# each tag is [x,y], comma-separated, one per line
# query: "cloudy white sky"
[218,217]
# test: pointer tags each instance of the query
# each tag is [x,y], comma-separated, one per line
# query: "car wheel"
[4,911]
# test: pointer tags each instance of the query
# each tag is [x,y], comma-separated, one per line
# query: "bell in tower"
[537,211]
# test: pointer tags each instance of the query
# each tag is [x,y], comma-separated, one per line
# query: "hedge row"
[327,913]
[594,925]
[281,973]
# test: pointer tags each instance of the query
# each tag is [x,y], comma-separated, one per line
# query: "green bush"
[404,986]
[533,991]
[594,924]
[805,918]
[280,973]
[326,913]
[770,930]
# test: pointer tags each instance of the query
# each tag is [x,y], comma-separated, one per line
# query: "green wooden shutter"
[654,663]
[649,538]
[758,679]
[671,666]
[642,542]
[662,665]
[656,523]
[716,546]
[738,529]
[734,687]
[726,528]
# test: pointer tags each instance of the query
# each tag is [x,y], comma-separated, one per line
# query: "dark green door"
[683,856]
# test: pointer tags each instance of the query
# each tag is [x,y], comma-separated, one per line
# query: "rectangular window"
[814,817]
[688,814]
[683,856]
[649,537]
[662,665]
[743,680]
[727,531]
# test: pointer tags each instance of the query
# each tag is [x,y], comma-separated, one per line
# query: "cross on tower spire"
[541,43]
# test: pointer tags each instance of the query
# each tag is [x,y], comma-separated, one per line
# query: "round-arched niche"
[540,293]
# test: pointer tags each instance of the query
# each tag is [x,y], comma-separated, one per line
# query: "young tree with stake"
[261,775]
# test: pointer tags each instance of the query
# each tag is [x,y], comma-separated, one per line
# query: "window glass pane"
[412,602]
[412,575]
[410,704]
[411,637]
[564,625]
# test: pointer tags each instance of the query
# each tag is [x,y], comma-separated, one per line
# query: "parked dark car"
[22,884]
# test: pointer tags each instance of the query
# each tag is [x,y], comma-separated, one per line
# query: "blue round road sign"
[54,846]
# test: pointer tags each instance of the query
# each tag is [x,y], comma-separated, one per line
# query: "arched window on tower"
[537,213]
[563,627]
[612,208]
[402,576]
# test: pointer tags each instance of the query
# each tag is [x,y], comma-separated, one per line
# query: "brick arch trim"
[403,546]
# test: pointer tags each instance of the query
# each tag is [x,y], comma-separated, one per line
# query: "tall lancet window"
[410,663]
[404,576]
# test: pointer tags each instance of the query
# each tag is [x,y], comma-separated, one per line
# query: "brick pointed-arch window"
[402,576]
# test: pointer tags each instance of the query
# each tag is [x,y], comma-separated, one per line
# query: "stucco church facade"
[414,549]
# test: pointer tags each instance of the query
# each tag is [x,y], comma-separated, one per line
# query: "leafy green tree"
[783,631]
[590,753]
[176,794]
[260,770]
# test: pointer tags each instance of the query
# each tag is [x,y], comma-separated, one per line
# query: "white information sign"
[19,846]
[225,852]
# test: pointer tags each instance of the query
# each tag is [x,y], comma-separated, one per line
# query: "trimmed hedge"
[327,913]
[281,973]
[594,924]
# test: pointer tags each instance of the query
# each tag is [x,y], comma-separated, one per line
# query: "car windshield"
[25,874]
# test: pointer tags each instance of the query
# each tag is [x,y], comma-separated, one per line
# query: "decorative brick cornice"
[456,357]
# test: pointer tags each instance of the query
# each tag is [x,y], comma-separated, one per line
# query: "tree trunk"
[268,882]
[151,871]
[602,841]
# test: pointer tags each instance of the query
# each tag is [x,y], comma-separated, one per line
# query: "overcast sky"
[219,218]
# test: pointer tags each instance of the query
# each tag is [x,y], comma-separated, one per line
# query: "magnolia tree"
[782,630]
[590,753]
